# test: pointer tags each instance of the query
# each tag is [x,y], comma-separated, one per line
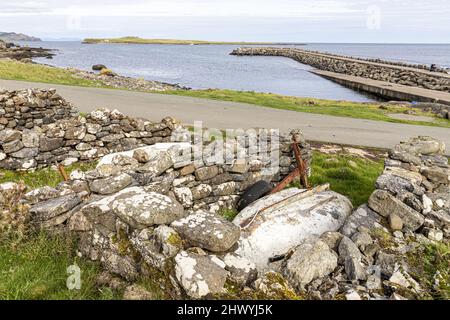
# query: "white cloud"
[174,8]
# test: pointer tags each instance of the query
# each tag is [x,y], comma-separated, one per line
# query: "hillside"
[13,37]
[137,40]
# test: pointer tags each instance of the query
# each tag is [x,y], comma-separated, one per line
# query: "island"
[138,40]
[14,37]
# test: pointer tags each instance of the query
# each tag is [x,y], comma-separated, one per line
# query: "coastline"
[136,40]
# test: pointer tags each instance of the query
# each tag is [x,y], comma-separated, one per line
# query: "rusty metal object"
[300,171]
[63,172]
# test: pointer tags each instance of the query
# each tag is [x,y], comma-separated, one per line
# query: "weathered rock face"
[274,232]
[207,231]
[199,275]
[142,209]
[414,186]
[386,71]
[311,260]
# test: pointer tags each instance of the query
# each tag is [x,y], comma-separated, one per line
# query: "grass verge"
[41,177]
[11,70]
[36,269]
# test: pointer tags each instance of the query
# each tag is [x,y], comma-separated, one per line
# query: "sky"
[349,21]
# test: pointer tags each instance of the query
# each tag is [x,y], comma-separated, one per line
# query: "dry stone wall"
[360,68]
[39,128]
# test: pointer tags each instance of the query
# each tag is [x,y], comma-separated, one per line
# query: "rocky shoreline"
[24,54]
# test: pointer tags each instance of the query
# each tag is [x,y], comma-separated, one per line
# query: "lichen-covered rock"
[142,209]
[273,286]
[157,246]
[199,275]
[206,173]
[158,164]
[111,184]
[184,196]
[136,292]
[54,207]
[241,271]
[41,194]
[208,231]
[311,260]
[201,191]
[120,265]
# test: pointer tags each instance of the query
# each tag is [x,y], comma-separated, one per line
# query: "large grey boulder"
[271,227]
[199,275]
[111,184]
[311,260]
[142,209]
[208,231]
[385,204]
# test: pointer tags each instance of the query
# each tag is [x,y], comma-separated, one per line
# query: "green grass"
[369,111]
[41,177]
[36,269]
[11,70]
[431,262]
[349,175]
[137,40]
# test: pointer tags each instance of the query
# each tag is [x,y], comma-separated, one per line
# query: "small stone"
[141,156]
[136,292]
[395,222]
[206,173]
[352,295]
[187,170]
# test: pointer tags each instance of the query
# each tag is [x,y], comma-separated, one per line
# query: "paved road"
[219,114]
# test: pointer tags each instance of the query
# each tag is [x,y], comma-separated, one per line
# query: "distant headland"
[138,40]
[13,37]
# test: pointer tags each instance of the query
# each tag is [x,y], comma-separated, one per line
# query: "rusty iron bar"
[301,166]
[299,171]
[62,171]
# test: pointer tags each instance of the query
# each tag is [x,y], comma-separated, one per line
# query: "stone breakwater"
[39,128]
[150,214]
[405,75]
[25,54]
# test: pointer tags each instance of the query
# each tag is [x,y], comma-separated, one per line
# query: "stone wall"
[357,67]
[151,212]
[39,128]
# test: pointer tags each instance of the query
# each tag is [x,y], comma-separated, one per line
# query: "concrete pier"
[386,90]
